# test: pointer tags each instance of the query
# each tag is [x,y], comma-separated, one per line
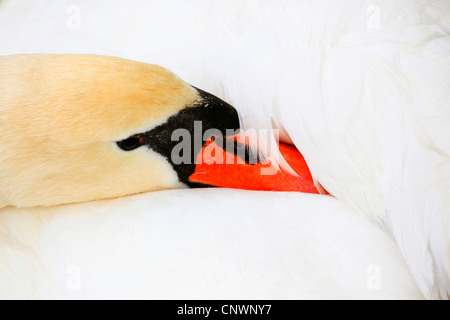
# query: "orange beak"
[219,168]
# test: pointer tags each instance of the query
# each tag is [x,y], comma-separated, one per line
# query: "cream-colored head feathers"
[60,116]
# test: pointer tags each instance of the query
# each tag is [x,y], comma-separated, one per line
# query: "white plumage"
[360,87]
[164,245]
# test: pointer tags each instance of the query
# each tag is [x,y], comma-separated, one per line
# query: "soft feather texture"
[164,246]
[60,118]
[361,88]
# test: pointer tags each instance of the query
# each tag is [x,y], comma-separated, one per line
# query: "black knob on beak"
[182,137]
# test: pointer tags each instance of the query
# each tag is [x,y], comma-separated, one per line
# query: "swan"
[99,128]
[360,88]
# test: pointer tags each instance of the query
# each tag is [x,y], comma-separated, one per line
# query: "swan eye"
[131,143]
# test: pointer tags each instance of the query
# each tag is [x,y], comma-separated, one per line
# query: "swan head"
[77,128]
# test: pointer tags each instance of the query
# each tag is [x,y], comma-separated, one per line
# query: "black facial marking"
[131,143]
[213,113]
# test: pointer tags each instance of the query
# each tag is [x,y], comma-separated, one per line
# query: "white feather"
[200,244]
[360,87]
